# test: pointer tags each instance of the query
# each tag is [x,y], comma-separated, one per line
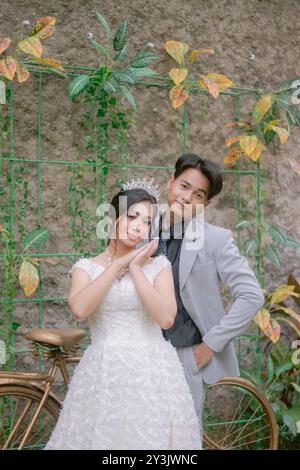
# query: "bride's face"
[134,226]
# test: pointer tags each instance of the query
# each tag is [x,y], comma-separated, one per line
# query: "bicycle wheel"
[237,416]
[18,404]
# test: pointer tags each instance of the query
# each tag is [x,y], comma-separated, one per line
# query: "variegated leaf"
[4,44]
[178,75]
[273,330]
[28,278]
[9,68]
[248,143]
[32,46]
[282,293]
[197,52]
[178,95]
[262,318]
[262,107]
[232,156]
[51,62]
[22,73]
[44,28]
[177,50]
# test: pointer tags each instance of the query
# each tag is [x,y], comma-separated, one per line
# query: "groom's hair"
[207,167]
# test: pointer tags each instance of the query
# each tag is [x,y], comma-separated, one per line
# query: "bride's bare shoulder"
[100,259]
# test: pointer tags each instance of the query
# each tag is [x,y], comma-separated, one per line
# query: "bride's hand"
[123,261]
[143,256]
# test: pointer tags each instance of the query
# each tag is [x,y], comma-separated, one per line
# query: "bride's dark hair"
[123,200]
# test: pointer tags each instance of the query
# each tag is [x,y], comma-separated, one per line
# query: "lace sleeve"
[159,264]
[81,263]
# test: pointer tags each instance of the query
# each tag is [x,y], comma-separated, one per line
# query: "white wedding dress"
[129,390]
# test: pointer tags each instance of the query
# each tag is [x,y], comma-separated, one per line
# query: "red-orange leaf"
[215,83]
[262,107]
[262,318]
[232,156]
[4,43]
[178,75]
[51,62]
[9,67]
[242,124]
[22,73]
[28,278]
[232,140]
[195,54]
[178,95]
[273,331]
[44,28]
[177,50]
[210,85]
[31,46]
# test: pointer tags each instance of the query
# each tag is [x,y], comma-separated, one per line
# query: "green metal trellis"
[240,171]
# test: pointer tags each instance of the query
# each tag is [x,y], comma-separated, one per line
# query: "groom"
[202,333]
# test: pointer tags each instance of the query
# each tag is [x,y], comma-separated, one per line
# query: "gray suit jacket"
[202,266]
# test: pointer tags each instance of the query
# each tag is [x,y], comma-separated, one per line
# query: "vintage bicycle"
[236,414]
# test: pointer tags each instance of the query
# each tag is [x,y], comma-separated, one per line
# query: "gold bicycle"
[236,414]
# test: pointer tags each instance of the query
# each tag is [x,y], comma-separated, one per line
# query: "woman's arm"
[86,295]
[159,300]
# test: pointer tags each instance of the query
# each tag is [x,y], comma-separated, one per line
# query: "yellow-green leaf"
[282,293]
[257,151]
[31,46]
[248,143]
[4,43]
[22,73]
[291,312]
[178,95]
[9,66]
[272,123]
[262,107]
[177,50]
[196,52]
[51,62]
[282,133]
[44,28]
[232,156]
[28,278]
[262,318]
[178,75]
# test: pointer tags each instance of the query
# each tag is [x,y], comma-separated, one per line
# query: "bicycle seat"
[67,338]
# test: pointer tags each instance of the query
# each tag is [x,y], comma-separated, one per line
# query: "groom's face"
[188,190]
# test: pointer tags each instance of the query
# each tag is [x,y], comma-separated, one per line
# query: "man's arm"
[235,272]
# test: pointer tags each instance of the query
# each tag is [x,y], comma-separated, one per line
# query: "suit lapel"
[193,241]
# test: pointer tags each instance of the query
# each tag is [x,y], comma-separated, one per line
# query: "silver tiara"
[146,185]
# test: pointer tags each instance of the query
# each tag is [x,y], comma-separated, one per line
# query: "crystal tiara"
[146,185]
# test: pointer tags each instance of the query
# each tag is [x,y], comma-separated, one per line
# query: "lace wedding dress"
[129,390]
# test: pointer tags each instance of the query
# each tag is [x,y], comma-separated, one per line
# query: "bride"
[129,390]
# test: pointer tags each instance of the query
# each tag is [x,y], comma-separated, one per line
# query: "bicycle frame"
[41,383]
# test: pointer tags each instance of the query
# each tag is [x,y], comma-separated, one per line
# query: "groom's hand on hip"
[203,354]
